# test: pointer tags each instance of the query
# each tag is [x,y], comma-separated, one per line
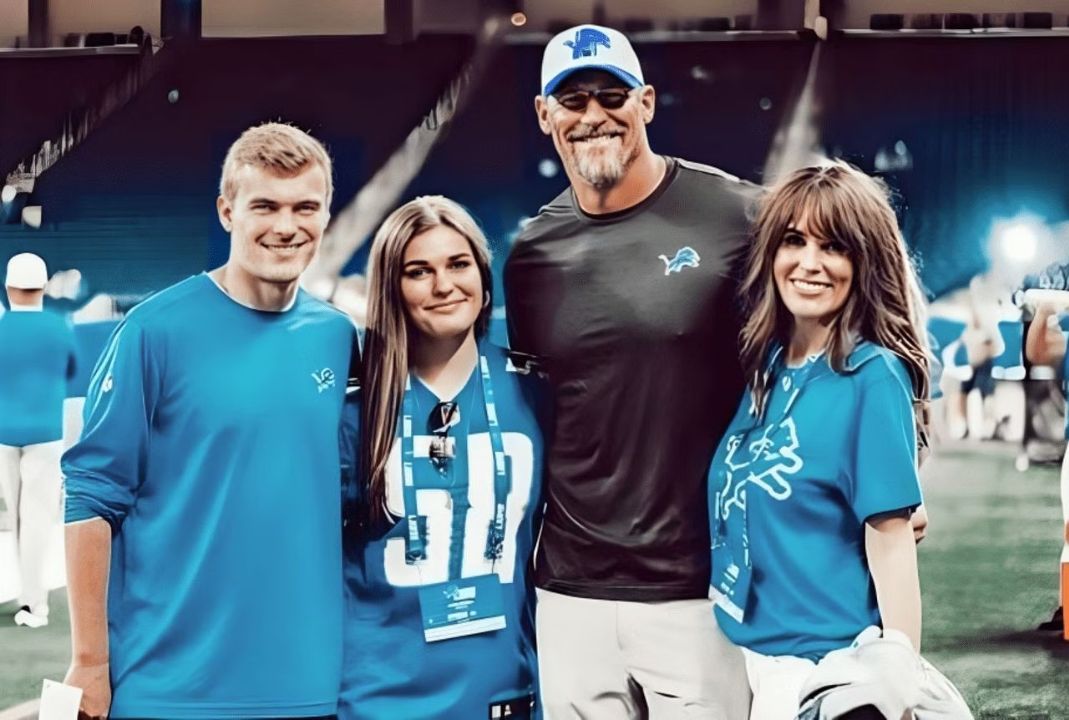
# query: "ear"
[647,97]
[225,210]
[542,111]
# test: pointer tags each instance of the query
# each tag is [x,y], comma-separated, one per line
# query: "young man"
[203,510]
[623,287]
[37,358]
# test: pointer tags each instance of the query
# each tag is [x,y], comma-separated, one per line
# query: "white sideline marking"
[25,711]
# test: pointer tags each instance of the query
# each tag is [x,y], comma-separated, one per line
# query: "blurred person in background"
[203,499]
[983,344]
[37,359]
[1045,344]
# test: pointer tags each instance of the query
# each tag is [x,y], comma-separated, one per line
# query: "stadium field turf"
[989,575]
[988,572]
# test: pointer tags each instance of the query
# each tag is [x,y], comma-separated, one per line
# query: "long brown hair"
[885,304]
[387,337]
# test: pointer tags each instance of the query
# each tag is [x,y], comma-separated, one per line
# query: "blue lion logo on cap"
[586,43]
[684,257]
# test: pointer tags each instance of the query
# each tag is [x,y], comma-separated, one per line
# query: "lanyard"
[786,382]
[416,538]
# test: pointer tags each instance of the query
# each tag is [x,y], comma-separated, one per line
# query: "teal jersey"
[90,339]
[210,446]
[790,493]
[37,358]
[390,670]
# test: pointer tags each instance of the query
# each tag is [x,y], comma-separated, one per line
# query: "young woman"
[442,457]
[813,484]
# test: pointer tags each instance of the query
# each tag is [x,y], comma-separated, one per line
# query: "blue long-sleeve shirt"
[210,446]
[37,358]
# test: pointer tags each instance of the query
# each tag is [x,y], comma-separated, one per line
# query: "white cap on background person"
[26,271]
[590,47]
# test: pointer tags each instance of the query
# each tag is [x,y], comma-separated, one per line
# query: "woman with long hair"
[442,470]
[813,484]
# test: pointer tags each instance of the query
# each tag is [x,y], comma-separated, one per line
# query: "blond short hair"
[279,148]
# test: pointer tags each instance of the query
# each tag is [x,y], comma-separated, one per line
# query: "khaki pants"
[31,486]
[614,660]
[776,682]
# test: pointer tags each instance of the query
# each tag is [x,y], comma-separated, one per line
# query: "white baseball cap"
[26,271]
[589,46]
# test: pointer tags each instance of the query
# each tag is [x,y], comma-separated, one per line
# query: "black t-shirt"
[634,316]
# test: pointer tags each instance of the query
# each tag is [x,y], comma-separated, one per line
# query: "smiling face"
[813,275]
[597,144]
[441,286]
[275,222]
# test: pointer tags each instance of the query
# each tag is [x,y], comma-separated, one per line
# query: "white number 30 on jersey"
[434,504]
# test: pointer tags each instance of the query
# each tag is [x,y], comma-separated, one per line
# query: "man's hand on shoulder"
[95,683]
[919,521]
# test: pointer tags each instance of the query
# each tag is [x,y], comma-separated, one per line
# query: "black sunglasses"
[608,98]
[443,416]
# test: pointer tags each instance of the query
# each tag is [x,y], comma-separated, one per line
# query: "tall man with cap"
[622,286]
[37,358]
[208,476]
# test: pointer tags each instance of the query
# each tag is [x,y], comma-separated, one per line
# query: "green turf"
[988,572]
[27,656]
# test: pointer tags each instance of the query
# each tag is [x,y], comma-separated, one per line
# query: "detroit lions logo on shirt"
[684,257]
[454,593]
[324,379]
[586,43]
[767,462]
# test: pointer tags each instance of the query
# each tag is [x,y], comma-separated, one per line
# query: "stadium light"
[31,216]
[1018,241]
[14,201]
[1022,244]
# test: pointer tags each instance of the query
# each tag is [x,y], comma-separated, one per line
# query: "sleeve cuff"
[80,509]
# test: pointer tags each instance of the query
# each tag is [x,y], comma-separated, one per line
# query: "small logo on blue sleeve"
[684,257]
[107,385]
[324,379]
[586,43]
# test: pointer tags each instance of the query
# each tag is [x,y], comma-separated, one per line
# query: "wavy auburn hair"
[387,337]
[885,304]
